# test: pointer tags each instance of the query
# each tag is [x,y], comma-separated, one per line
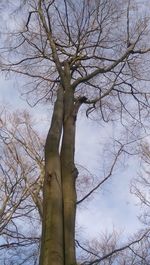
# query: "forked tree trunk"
[59,194]
[52,250]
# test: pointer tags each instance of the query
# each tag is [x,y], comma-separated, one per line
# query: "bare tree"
[141,184]
[82,53]
[109,250]
[21,178]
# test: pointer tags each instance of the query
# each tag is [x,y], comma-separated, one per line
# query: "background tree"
[80,53]
[21,178]
[105,250]
[141,184]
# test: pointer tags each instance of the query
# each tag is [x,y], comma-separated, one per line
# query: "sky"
[112,206]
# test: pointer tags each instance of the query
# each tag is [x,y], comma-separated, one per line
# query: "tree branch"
[106,178]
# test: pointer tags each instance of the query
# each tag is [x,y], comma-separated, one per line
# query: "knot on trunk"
[83,99]
[75,172]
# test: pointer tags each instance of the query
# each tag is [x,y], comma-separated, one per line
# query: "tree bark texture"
[52,225]
[68,177]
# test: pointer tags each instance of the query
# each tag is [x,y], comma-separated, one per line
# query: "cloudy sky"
[112,206]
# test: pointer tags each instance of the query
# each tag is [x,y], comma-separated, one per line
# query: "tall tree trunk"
[69,174]
[52,251]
